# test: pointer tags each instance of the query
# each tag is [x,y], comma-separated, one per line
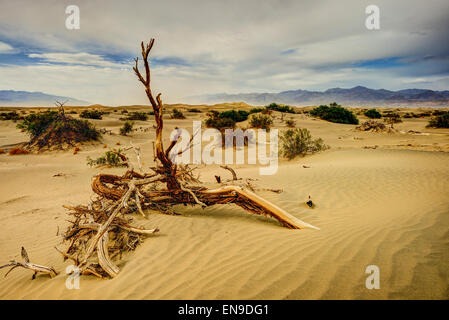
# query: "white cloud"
[6,48]
[81,58]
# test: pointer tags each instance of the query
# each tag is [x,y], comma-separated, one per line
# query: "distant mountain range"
[357,96]
[11,98]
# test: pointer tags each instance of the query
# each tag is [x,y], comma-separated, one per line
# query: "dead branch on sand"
[102,227]
[28,265]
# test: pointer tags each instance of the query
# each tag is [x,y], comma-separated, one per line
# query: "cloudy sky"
[205,47]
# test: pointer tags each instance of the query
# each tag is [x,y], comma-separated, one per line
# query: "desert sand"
[381,199]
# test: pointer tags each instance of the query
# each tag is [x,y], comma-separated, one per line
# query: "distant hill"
[357,96]
[34,99]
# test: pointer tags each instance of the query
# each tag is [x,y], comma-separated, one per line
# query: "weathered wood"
[28,265]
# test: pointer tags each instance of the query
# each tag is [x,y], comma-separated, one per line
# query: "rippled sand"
[381,207]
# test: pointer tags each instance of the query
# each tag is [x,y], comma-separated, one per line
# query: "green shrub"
[440,121]
[281,108]
[55,128]
[13,115]
[256,110]
[237,116]
[373,114]
[176,114]
[113,158]
[36,123]
[142,116]
[214,121]
[299,142]
[335,113]
[261,121]
[91,114]
[126,128]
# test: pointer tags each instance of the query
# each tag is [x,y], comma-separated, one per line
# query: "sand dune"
[381,207]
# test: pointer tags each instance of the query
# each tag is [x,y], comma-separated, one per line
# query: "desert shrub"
[72,112]
[299,142]
[124,111]
[261,121]
[54,128]
[36,123]
[256,110]
[373,114]
[194,110]
[391,118]
[17,150]
[237,116]
[142,116]
[281,108]
[126,128]
[176,114]
[113,158]
[438,112]
[215,121]
[440,121]
[91,114]
[13,115]
[374,126]
[335,113]
[290,123]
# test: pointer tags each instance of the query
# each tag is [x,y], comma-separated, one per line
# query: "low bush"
[215,121]
[91,114]
[50,128]
[261,121]
[256,110]
[281,108]
[13,115]
[440,121]
[176,114]
[290,123]
[299,142]
[113,158]
[237,116]
[335,113]
[391,118]
[126,128]
[142,116]
[373,114]
[194,110]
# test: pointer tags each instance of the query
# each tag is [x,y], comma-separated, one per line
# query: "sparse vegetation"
[261,121]
[194,110]
[374,126]
[91,114]
[391,118]
[335,113]
[281,108]
[290,123]
[142,116]
[373,114]
[53,128]
[215,121]
[112,158]
[299,142]
[176,114]
[440,121]
[237,116]
[126,128]
[13,115]
[256,110]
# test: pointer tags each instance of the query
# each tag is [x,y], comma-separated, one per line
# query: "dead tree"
[168,184]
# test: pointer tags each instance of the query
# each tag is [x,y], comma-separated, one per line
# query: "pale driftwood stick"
[28,265]
[234,175]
